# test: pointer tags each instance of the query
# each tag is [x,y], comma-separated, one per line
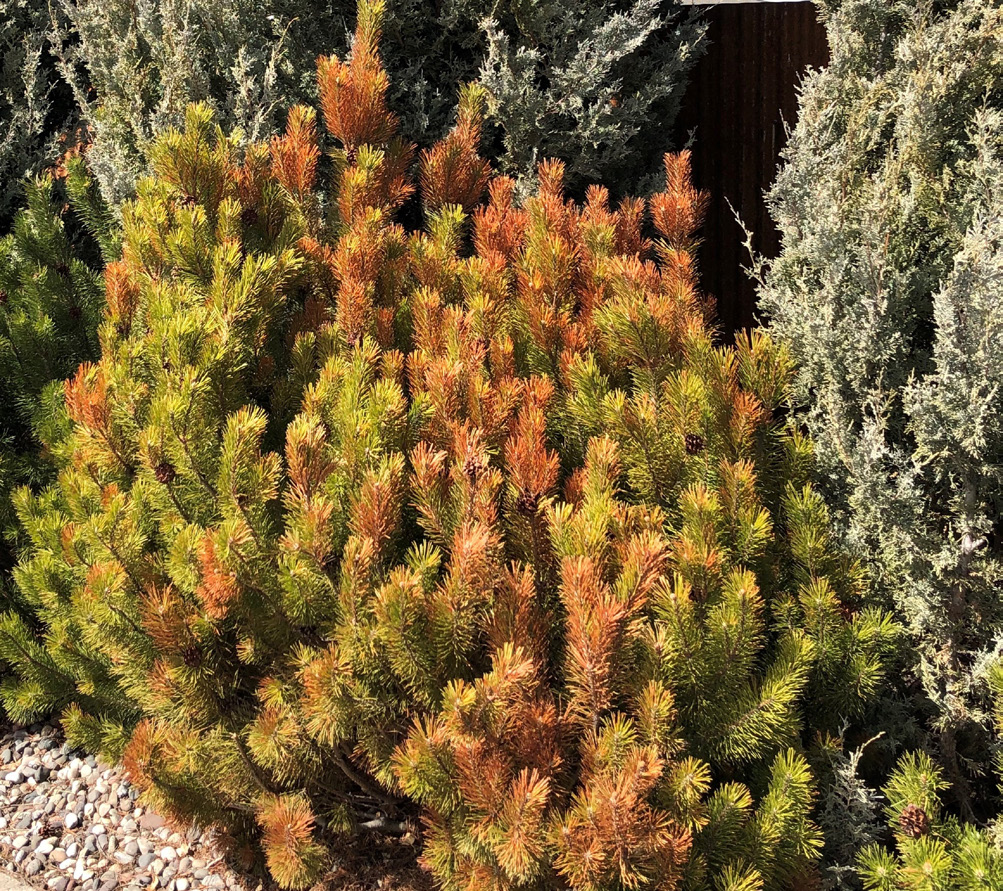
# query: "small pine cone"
[473,467]
[192,656]
[694,443]
[3,297]
[914,821]
[351,155]
[165,472]
[249,216]
[527,504]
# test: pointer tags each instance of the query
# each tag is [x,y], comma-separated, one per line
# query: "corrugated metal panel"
[741,93]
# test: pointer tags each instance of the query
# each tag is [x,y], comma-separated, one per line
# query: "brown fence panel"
[742,93]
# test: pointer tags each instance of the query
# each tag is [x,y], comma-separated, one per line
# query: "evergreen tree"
[134,68]
[595,84]
[886,291]
[472,515]
[36,106]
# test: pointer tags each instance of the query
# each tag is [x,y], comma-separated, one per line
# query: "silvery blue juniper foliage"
[135,65]
[888,291]
[33,108]
[595,84]
[849,817]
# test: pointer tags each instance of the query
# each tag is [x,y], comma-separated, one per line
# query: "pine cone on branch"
[695,443]
[165,472]
[914,821]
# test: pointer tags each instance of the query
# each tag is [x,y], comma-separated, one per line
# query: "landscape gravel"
[70,823]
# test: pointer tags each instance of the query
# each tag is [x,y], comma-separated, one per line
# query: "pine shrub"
[886,292]
[381,497]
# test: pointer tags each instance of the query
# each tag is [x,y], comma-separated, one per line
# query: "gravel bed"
[67,821]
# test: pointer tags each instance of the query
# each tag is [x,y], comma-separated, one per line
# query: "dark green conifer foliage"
[51,301]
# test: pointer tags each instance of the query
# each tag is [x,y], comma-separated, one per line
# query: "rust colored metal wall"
[741,93]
